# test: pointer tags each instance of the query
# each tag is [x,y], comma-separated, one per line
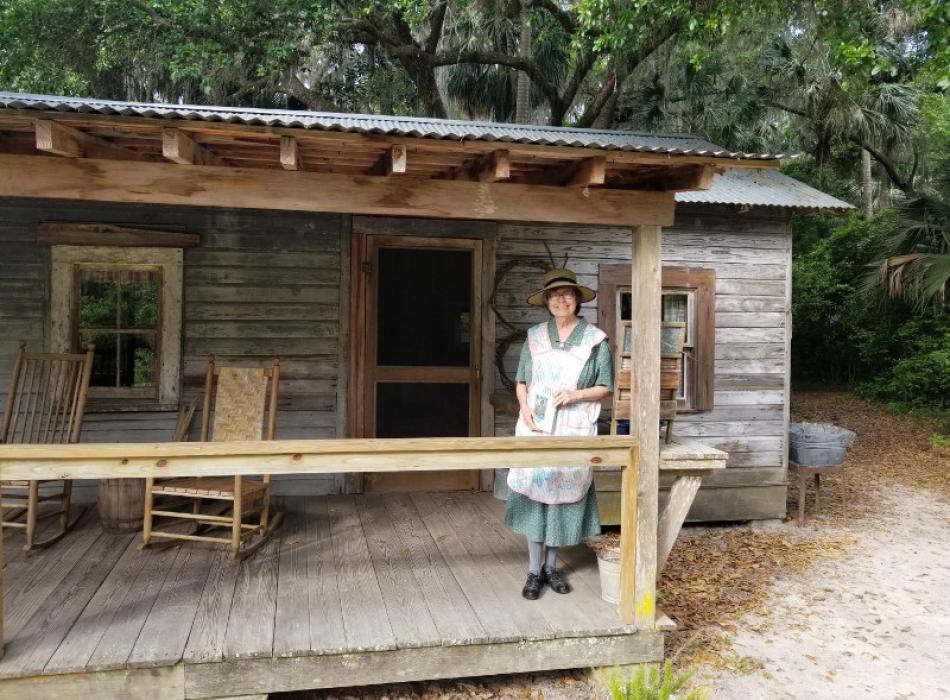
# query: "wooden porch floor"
[352,590]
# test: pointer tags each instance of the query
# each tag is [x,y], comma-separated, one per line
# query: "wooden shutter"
[702,283]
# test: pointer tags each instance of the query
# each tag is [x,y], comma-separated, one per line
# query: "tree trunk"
[522,103]
[867,185]
[884,195]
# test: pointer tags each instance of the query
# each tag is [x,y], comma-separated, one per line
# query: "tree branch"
[560,106]
[157,19]
[595,106]
[563,18]
[436,22]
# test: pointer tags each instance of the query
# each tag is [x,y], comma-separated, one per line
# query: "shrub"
[648,683]
[918,381]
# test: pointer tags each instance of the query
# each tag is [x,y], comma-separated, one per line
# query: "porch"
[351,590]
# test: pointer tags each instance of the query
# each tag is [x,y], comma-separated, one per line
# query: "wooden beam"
[179,147]
[63,140]
[163,183]
[57,139]
[392,162]
[470,148]
[396,162]
[638,525]
[588,172]
[137,460]
[492,167]
[243,677]
[681,179]
[682,493]
[64,233]
[290,153]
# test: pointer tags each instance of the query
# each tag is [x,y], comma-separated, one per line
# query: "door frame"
[481,239]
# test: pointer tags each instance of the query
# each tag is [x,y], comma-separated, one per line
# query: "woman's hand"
[527,415]
[566,396]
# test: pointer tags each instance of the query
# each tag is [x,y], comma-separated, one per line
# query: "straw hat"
[561,277]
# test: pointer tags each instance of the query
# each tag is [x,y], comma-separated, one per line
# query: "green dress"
[568,523]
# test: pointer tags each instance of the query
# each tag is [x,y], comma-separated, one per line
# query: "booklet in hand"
[544,411]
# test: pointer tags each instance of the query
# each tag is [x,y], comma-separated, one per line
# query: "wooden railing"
[133,460]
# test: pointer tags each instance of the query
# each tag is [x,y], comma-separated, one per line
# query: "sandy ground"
[872,624]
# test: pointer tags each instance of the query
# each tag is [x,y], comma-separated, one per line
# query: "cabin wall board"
[260,284]
[266,283]
[751,255]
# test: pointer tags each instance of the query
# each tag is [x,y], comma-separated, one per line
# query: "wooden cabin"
[386,262]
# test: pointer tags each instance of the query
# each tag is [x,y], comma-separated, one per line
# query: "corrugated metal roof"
[763,187]
[391,126]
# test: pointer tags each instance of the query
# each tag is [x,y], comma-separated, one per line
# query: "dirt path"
[872,624]
[871,621]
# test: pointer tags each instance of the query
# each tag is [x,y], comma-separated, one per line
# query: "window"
[689,297]
[127,302]
[119,313]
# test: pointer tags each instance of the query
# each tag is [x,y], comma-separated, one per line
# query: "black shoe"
[555,579]
[532,587]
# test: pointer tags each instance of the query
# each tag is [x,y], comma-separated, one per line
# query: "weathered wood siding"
[751,255]
[260,284]
[268,283]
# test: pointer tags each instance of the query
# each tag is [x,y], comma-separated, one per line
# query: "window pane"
[625,306]
[140,304]
[118,298]
[124,360]
[98,302]
[674,307]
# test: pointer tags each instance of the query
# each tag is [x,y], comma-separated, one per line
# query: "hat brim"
[586,293]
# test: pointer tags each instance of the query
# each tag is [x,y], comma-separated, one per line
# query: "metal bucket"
[818,444]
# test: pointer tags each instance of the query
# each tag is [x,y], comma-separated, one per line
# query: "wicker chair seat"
[207,487]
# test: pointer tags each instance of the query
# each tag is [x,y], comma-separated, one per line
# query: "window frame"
[697,283]
[67,261]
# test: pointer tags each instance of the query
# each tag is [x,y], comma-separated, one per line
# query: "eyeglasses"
[565,294]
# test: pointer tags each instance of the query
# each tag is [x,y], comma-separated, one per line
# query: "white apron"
[553,369]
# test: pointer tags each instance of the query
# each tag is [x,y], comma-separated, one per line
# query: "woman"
[569,360]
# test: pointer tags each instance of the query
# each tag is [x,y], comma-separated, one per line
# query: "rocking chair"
[240,394]
[45,405]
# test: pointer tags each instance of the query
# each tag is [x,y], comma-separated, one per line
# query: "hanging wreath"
[514,334]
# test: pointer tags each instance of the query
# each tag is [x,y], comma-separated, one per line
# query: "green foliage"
[921,380]
[845,335]
[650,683]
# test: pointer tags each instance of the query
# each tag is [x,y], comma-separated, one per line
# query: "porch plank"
[33,579]
[82,640]
[477,571]
[206,641]
[409,617]
[140,684]
[165,632]
[581,613]
[579,560]
[364,612]
[292,618]
[327,631]
[423,663]
[34,644]
[119,639]
[451,611]
[563,613]
[251,622]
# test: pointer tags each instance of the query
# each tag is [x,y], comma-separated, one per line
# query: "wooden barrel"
[121,504]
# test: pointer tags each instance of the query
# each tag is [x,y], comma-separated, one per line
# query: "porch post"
[638,530]
[2,639]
